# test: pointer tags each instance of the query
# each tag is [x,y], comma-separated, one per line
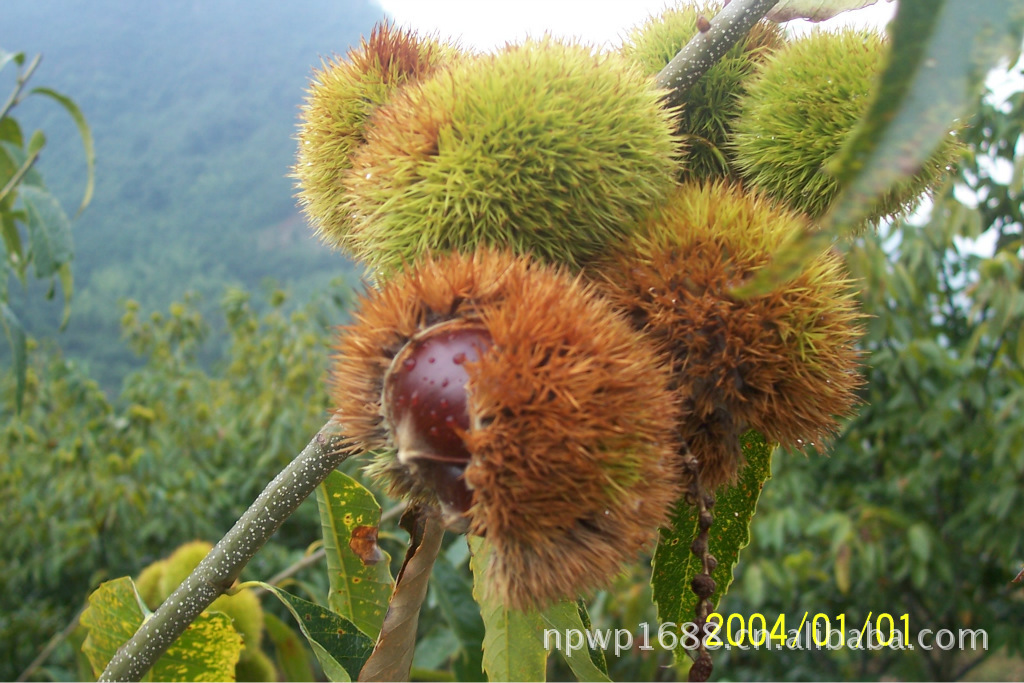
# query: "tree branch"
[712,42]
[221,567]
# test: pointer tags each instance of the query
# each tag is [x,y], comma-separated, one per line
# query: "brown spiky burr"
[783,362]
[562,451]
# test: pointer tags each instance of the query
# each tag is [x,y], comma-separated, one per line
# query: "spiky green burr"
[707,109]
[547,148]
[343,95]
[799,111]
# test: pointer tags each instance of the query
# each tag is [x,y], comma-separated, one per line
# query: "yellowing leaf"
[207,651]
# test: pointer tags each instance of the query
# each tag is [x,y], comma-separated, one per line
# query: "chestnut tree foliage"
[908,515]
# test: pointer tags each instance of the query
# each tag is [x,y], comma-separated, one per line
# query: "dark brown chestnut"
[425,404]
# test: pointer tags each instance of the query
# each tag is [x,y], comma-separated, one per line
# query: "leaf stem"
[221,567]
[20,85]
[18,175]
[708,46]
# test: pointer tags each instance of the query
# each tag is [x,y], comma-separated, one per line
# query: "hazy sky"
[489,24]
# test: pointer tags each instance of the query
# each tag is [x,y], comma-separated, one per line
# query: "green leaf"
[86,134]
[291,654]
[8,57]
[513,640]
[674,564]
[596,654]
[67,284]
[12,246]
[19,351]
[16,157]
[565,618]
[338,644]
[49,231]
[454,594]
[358,570]
[392,656]
[790,259]
[10,132]
[36,143]
[813,10]
[942,51]
[207,651]
[920,544]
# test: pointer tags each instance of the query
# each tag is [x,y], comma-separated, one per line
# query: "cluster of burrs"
[550,351]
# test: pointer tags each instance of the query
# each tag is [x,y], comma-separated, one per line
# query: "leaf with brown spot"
[364,544]
[392,656]
[359,571]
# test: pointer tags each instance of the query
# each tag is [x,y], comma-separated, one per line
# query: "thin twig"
[225,562]
[731,24]
[16,178]
[45,653]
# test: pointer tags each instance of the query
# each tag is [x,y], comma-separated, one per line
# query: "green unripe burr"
[799,111]
[546,148]
[707,109]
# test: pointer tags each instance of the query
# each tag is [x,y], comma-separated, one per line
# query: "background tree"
[36,232]
[96,487]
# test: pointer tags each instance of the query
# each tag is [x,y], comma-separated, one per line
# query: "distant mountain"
[193,105]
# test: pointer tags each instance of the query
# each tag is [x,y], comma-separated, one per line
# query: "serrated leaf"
[207,651]
[454,594]
[19,352]
[814,10]
[513,639]
[340,647]
[674,564]
[565,618]
[393,654]
[49,231]
[292,659]
[358,570]
[942,51]
[85,133]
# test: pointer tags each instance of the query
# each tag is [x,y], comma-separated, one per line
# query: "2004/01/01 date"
[818,631]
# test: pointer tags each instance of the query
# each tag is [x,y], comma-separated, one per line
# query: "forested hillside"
[193,106]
